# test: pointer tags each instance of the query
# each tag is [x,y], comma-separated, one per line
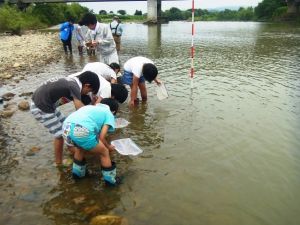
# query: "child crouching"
[84,132]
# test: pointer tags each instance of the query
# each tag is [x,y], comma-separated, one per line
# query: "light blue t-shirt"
[93,117]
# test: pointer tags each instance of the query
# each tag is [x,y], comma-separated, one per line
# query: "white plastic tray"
[161,91]
[126,146]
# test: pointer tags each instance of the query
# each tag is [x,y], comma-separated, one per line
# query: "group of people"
[106,39]
[96,94]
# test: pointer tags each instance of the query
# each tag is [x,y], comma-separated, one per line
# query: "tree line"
[267,10]
[43,15]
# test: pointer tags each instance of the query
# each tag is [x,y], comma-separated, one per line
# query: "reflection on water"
[226,152]
[7,161]
[154,39]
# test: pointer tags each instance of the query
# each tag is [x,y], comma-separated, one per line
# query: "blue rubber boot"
[79,169]
[110,175]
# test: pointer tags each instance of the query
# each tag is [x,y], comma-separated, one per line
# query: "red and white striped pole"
[192,46]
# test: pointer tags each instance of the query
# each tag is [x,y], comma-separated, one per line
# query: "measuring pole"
[192,46]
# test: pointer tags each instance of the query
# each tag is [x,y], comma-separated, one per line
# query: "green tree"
[173,14]
[75,11]
[280,12]
[102,12]
[245,14]
[266,8]
[121,12]
[138,13]
[227,15]
[10,19]
[14,20]
[51,14]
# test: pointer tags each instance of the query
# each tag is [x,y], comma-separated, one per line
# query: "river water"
[225,152]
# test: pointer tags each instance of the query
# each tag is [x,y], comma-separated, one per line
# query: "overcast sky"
[131,6]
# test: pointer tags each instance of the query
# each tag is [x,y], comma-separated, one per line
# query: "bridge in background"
[293,6]
[153,6]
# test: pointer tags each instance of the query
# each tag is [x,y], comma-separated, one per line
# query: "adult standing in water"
[117,30]
[66,35]
[100,36]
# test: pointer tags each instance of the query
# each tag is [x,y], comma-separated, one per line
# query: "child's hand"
[157,81]
[94,43]
[131,103]
[111,148]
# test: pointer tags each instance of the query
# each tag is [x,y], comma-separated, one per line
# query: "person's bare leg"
[78,154]
[101,150]
[143,90]
[71,150]
[58,149]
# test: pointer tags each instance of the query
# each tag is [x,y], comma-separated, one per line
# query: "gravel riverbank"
[23,54]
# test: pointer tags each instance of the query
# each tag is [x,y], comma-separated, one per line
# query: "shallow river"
[225,152]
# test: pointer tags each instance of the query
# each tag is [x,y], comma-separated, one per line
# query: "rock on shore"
[25,53]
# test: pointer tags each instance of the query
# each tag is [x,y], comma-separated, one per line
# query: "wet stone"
[91,210]
[8,96]
[30,153]
[33,150]
[79,200]
[7,113]
[108,220]
[10,105]
[26,94]
[23,105]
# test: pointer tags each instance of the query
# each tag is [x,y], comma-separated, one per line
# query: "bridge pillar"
[154,10]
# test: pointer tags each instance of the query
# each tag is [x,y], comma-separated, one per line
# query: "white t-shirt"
[135,65]
[78,33]
[101,69]
[105,87]
[116,28]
